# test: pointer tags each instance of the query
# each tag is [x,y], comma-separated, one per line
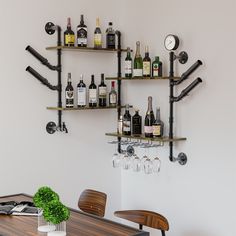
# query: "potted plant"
[54,213]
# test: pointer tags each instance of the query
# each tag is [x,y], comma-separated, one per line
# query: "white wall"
[197,199]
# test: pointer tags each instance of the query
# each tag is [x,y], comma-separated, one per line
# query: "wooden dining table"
[79,223]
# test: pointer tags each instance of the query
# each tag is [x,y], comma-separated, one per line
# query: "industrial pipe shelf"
[84,108]
[143,78]
[88,49]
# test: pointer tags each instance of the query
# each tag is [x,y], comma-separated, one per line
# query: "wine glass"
[116,160]
[156,165]
[148,166]
[136,163]
[126,162]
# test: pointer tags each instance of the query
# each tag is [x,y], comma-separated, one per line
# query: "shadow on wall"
[197,233]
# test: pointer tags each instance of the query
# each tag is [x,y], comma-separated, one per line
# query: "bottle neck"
[149,104]
[157,59]
[68,23]
[112,85]
[82,20]
[137,50]
[146,51]
[97,23]
[69,79]
[158,114]
[92,79]
[102,79]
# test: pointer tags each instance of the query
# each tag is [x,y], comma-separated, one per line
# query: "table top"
[79,224]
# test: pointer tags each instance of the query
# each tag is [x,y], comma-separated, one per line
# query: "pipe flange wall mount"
[49,28]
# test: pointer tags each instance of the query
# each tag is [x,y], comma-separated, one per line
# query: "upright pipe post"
[59,77]
[119,82]
[171,116]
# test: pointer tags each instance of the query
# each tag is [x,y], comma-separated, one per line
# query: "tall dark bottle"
[69,35]
[81,93]
[136,124]
[146,64]
[92,93]
[138,62]
[82,33]
[158,125]
[102,92]
[149,119]
[110,36]
[128,64]
[69,92]
[127,121]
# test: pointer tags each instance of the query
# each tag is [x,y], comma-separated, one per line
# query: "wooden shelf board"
[85,49]
[83,108]
[142,137]
[143,78]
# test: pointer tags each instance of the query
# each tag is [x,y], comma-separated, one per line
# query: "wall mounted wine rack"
[52,127]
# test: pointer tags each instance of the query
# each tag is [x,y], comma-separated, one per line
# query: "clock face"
[171,42]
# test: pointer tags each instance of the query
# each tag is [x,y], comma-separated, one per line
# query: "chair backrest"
[147,218]
[93,202]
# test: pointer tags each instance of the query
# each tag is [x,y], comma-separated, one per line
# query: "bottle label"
[113,99]
[137,72]
[156,70]
[92,95]
[128,67]
[111,40]
[156,130]
[82,36]
[69,94]
[69,98]
[69,39]
[82,96]
[98,39]
[148,129]
[146,68]
[102,91]
[126,126]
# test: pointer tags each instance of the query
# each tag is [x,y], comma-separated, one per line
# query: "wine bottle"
[157,67]
[158,125]
[102,93]
[92,93]
[69,35]
[128,64]
[127,121]
[69,92]
[138,62]
[146,64]
[120,125]
[110,37]
[82,33]
[136,124]
[149,119]
[97,35]
[81,93]
[113,95]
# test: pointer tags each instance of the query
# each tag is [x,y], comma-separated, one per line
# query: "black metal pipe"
[41,78]
[59,85]
[187,90]
[171,115]
[42,59]
[186,74]
[119,82]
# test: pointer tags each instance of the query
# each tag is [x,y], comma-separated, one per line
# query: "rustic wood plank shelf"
[85,49]
[143,78]
[83,108]
[142,137]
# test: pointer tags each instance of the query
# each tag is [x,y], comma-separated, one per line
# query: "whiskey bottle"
[110,37]
[69,92]
[97,35]
[69,35]
[128,64]
[136,124]
[127,121]
[146,64]
[157,68]
[138,62]
[81,93]
[113,95]
[82,33]
[158,125]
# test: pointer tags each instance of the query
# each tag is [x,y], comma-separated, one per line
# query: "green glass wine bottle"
[138,62]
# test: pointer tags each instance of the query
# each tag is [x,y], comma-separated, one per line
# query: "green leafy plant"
[43,196]
[55,212]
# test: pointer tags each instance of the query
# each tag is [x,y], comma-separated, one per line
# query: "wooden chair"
[147,218]
[93,202]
